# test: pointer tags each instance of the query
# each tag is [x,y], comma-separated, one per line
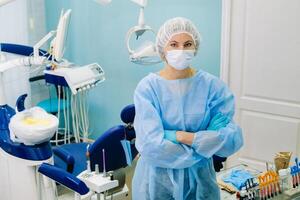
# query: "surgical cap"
[175,26]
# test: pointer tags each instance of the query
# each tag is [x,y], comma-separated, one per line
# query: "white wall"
[13,22]
[36,20]
[22,22]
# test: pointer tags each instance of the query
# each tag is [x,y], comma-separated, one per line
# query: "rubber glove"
[171,135]
[218,162]
[218,121]
[237,177]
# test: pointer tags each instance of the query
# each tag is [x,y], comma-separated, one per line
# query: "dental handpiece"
[297,172]
[298,178]
[265,193]
[278,184]
[279,188]
[261,187]
[261,193]
[293,176]
[270,188]
[104,168]
[275,188]
[88,162]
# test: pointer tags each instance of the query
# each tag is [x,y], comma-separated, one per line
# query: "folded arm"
[222,137]
[150,140]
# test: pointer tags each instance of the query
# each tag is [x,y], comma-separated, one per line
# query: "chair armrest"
[66,157]
[65,178]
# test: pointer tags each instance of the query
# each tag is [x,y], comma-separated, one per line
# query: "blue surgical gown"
[166,170]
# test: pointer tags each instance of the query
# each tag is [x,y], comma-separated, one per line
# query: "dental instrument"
[104,166]
[88,162]
[297,169]
[261,187]
[294,178]
[278,185]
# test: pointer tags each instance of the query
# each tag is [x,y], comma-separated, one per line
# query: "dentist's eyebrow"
[188,41]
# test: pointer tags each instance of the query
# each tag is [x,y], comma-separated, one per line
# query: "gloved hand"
[171,135]
[218,162]
[217,122]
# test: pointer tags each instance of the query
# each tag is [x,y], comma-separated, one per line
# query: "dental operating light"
[146,54]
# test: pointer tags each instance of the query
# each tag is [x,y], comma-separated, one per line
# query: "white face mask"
[180,59]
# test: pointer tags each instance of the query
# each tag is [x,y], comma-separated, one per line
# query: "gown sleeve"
[227,140]
[150,140]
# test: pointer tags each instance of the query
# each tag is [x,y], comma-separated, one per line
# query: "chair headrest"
[114,152]
[128,114]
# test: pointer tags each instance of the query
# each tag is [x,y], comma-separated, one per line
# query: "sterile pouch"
[32,126]
[127,150]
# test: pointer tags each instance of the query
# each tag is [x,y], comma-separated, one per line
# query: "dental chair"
[70,159]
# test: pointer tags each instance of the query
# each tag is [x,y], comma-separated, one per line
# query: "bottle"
[284,175]
[243,194]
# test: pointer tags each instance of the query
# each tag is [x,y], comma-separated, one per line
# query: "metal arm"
[41,43]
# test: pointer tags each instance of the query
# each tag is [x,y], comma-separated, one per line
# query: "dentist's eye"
[188,45]
[173,45]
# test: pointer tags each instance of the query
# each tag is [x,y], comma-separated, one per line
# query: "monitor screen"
[61,35]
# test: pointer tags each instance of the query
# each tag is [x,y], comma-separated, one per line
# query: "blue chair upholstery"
[64,178]
[128,114]
[71,157]
[114,153]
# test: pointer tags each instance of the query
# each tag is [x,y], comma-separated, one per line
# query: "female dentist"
[183,118]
